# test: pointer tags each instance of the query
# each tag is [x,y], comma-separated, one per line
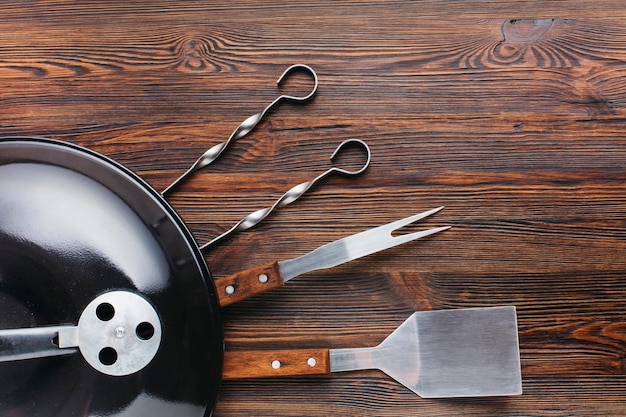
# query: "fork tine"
[398,240]
[390,227]
[355,246]
[381,238]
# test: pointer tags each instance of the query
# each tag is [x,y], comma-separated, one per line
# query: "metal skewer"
[294,193]
[246,126]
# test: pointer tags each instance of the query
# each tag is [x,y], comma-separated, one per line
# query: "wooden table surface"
[509,113]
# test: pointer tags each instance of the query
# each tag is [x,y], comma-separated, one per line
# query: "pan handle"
[275,363]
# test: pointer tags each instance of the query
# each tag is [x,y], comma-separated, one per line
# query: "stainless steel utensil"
[246,126]
[447,353]
[274,274]
[294,193]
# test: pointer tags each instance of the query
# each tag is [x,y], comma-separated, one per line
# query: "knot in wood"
[520,36]
[193,54]
[525,31]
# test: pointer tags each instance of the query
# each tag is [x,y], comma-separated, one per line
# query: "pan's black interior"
[74,225]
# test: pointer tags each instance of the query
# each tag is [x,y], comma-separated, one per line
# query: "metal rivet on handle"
[311,362]
[230,290]
[276,364]
[263,278]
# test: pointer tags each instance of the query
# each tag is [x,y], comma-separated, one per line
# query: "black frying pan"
[75,225]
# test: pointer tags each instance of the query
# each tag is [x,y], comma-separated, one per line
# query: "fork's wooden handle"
[272,363]
[247,283]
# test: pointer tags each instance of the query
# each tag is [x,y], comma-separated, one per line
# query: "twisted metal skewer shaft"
[293,194]
[245,127]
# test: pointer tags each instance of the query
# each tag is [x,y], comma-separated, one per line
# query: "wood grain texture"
[509,113]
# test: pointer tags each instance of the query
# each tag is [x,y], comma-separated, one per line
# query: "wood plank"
[509,113]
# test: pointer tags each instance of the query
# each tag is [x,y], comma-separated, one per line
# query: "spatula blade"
[470,352]
[467,352]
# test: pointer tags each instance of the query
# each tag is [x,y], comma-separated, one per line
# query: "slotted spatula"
[446,353]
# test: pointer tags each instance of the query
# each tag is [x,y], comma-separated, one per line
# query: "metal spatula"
[446,353]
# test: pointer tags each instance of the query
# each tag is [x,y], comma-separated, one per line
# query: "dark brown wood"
[245,284]
[275,363]
[512,114]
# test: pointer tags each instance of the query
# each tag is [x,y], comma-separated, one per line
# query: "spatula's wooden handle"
[272,363]
[247,283]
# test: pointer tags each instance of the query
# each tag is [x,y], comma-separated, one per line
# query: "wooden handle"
[272,363]
[247,283]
